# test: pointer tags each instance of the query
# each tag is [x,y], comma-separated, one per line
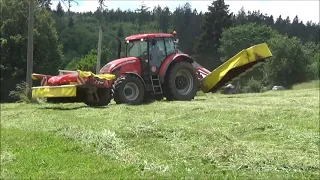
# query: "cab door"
[157,54]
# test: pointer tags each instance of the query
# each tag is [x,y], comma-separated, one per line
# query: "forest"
[64,39]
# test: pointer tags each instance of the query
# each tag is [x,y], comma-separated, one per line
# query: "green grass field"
[272,135]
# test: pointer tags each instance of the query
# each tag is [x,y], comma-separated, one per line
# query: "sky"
[305,9]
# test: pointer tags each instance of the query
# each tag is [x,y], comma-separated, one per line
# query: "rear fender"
[171,61]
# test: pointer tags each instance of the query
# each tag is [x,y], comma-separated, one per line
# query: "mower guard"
[233,67]
[54,91]
[68,82]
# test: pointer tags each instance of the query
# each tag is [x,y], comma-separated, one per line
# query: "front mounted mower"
[75,86]
[154,68]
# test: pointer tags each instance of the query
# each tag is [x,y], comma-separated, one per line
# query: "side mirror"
[176,43]
[143,56]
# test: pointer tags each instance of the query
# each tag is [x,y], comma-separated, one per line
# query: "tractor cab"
[151,49]
[144,54]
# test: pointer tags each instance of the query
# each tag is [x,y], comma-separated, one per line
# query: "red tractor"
[153,68]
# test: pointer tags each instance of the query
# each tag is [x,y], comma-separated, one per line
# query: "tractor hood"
[108,68]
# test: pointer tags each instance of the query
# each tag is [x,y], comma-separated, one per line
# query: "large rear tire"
[182,82]
[129,89]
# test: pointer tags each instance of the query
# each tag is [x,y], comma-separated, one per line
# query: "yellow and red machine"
[75,85]
[154,68]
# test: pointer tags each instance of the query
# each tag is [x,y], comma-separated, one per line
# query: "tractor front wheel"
[129,89]
[182,82]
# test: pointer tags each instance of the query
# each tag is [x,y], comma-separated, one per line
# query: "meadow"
[270,135]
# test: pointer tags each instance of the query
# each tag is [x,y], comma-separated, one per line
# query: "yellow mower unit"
[66,83]
[236,65]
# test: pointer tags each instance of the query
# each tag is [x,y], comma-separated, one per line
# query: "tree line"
[69,40]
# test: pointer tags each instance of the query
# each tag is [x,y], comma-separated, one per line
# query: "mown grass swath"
[271,135]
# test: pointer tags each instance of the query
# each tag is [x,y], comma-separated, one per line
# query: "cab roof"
[148,35]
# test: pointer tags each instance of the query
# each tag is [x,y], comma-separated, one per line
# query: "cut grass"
[42,155]
[272,135]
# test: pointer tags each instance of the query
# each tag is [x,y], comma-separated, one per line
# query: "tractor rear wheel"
[129,89]
[182,82]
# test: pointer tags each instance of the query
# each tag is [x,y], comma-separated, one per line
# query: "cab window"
[137,48]
[157,49]
[169,45]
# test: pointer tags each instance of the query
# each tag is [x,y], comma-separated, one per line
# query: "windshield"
[136,48]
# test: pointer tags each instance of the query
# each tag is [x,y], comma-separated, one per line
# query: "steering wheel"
[145,53]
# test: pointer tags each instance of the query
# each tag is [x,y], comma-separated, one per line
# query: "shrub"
[312,51]
[289,64]
[21,93]
[252,86]
[241,37]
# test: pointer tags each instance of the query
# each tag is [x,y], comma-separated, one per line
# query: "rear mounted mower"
[153,69]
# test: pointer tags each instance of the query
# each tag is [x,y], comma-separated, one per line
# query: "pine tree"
[214,22]
[45,3]
[120,32]
[142,18]
[59,10]
[241,18]
[269,20]
[157,11]
[164,19]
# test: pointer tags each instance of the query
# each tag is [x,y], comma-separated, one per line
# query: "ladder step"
[156,85]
